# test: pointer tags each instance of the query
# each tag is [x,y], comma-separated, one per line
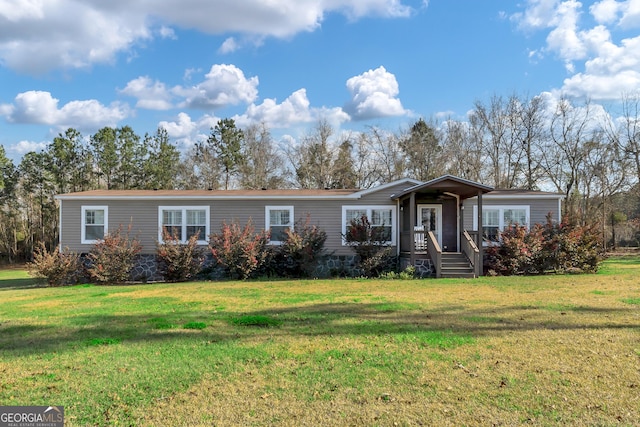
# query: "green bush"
[240,251]
[111,260]
[179,262]
[56,267]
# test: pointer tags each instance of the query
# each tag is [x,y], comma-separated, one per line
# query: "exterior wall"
[538,208]
[142,215]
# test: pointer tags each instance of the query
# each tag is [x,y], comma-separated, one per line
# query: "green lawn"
[551,350]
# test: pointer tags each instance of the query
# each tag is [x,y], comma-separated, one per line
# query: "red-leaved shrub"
[239,250]
[179,262]
[56,267]
[111,260]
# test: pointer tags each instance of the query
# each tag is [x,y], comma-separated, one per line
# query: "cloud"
[181,128]
[23,147]
[605,11]
[224,85]
[151,95]
[38,107]
[294,110]
[373,95]
[599,65]
[38,36]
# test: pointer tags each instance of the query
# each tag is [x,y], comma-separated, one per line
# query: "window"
[382,217]
[94,223]
[278,219]
[184,222]
[498,218]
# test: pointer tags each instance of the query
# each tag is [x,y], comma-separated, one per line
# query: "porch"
[431,226]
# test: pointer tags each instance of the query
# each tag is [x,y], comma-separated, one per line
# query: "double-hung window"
[94,223]
[498,218]
[278,219]
[184,222]
[381,218]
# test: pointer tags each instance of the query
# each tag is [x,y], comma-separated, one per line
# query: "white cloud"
[229,45]
[224,85]
[293,110]
[605,11]
[630,14]
[599,66]
[24,147]
[374,94]
[181,128]
[538,14]
[37,35]
[151,95]
[37,107]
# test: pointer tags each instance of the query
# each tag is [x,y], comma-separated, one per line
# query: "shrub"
[240,251]
[178,262]
[369,243]
[58,268]
[299,253]
[112,259]
[561,248]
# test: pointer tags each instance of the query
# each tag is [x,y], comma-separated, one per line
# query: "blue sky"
[184,64]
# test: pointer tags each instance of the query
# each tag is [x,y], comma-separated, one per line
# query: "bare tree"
[263,166]
[312,159]
[565,157]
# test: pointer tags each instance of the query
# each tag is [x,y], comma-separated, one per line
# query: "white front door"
[430,217]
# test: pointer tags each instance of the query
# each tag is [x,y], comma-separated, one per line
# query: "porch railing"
[470,249]
[434,252]
[419,236]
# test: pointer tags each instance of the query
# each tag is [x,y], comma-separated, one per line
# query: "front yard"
[547,350]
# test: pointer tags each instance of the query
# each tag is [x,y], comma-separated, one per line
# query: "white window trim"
[501,209]
[83,218]
[267,219]
[184,209]
[370,208]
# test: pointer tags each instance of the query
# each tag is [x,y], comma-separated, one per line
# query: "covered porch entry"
[431,226]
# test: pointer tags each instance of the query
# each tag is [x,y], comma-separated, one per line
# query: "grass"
[549,350]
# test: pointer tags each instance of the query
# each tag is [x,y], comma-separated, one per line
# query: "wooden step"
[456,265]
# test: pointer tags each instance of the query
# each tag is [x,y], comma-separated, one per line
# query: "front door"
[430,217]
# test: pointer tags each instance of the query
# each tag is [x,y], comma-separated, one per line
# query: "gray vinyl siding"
[142,216]
[538,208]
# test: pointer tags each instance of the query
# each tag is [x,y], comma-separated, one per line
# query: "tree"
[226,140]
[263,165]
[11,224]
[37,190]
[461,155]
[565,157]
[162,162]
[312,160]
[132,155]
[105,153]
[71,162]
[344,174]
[422,149]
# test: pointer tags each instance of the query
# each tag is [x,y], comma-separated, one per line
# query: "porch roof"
[447,184]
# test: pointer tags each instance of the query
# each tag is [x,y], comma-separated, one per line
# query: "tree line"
[506,142]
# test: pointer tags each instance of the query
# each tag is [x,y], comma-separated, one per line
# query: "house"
[435,225]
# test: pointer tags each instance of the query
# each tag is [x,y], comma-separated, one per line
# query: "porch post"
[412,228]
[480,232]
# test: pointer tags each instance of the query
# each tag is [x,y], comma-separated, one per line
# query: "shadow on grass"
[330,319]
[22,283]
